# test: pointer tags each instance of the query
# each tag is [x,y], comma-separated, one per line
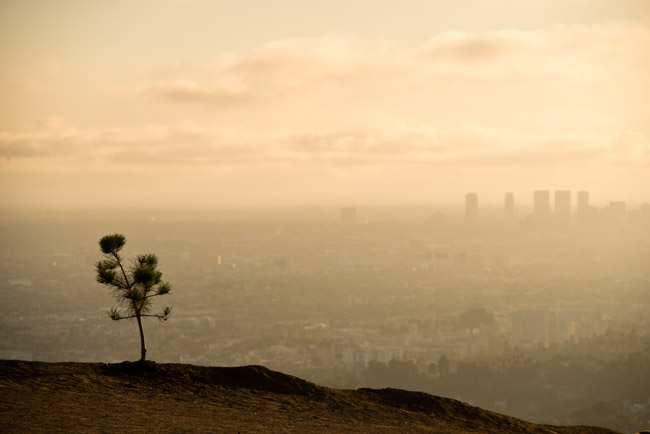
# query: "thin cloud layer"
[579,55]
[332,77]
[156,147]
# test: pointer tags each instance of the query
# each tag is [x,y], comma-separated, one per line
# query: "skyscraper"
[471,207]
[583,209]
[562,206]
[541,205]
[509,206]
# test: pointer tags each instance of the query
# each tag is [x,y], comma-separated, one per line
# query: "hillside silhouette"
[177,398]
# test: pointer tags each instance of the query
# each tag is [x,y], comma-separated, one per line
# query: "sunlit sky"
[229,103]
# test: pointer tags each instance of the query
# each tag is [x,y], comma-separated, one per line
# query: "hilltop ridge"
[145,397]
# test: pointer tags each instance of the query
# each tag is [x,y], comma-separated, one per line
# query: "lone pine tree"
[134,284]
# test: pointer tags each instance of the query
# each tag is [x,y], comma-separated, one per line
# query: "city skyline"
[561,210]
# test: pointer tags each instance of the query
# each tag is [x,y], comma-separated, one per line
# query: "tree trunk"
[143,350]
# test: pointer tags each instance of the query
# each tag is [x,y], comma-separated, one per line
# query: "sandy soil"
[173,398]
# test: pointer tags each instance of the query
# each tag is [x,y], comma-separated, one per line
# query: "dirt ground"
[39,397]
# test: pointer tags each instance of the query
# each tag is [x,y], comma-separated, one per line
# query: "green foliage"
[134,285]
[112,244]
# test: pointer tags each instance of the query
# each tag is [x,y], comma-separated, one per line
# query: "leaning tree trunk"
[143,349]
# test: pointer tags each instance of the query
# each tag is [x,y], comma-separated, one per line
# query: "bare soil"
[134,397]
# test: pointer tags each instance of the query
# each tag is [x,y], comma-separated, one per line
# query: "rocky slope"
[175,398]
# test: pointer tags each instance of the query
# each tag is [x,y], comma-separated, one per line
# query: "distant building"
[471,207]
[348,215]
[509,206]
[583,210]
[615,212]
[535,328]
[476,317]
[541,205]
[645,212]
[562,206]
[617,208]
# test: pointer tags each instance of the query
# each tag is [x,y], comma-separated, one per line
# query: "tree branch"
[124,317]
[119,262]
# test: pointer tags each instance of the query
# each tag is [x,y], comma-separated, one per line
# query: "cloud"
[187,90]
[576,54]
[159,147]
[472,146]
[506,98]
[278,68]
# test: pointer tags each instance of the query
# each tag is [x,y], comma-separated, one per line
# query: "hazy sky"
[220,103]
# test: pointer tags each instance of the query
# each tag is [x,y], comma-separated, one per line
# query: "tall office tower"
[348,215]
[583,206]
[509,209]
[541,205]
[471,207]
[563,206]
